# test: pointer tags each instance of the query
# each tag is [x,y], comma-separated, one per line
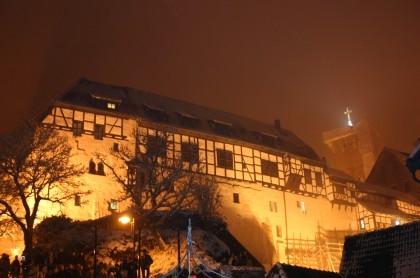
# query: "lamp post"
[126,220]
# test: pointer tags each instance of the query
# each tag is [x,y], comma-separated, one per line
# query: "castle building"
[354,147]
[279,199]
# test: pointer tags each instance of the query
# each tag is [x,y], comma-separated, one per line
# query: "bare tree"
[160,181]
[35,167]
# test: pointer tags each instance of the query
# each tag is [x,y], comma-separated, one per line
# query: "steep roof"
[137,103]
[391,252]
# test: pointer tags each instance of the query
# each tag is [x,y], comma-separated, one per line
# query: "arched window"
[92,167]
[101,169]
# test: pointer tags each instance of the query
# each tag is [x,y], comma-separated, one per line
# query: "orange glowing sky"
[303,62]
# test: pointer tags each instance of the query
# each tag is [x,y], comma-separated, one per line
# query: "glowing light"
[397,222]
[347,112]
[124,219]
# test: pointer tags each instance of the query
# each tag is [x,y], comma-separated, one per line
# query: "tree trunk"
[158,238]
[27,252]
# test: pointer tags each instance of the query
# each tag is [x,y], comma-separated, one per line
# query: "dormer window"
[221,127]
[155,113]
[105,102]
[268,140]
[188,120]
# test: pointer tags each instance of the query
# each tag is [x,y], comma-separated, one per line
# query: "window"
[92,167]
[188,120]
[318,178]
[189,152]
[156,146]
[236,198]
[155,113]
[307,175]
[278,231]
[221,127]
[101,169]
[362,224]
[268,140]
[133,172]
[339,188]
[116,147]
[113,205]
[302,206]
[348,143]
[77,128]
[224,159]
[111,105]
[98,132]
[269,168]
[272,206]
[77,200]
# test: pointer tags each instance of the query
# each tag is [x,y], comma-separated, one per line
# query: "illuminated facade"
[280,200]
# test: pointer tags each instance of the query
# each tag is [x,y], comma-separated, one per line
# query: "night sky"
[302,62]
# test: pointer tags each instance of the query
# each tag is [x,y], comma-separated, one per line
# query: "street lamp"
[126,220]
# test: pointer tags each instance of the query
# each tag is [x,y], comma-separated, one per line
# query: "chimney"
[277,124]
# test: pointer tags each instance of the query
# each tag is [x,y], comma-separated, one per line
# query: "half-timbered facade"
[279,199]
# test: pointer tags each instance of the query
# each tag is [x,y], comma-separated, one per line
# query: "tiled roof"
[392,252]
[292,271]
[137,103]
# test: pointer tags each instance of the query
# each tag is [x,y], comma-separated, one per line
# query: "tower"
[354,147]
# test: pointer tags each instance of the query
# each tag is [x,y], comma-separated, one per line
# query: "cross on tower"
[347,112]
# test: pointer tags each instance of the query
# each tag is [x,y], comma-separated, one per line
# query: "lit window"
[113,205]
[362,224]
[111,105]
[303,207]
